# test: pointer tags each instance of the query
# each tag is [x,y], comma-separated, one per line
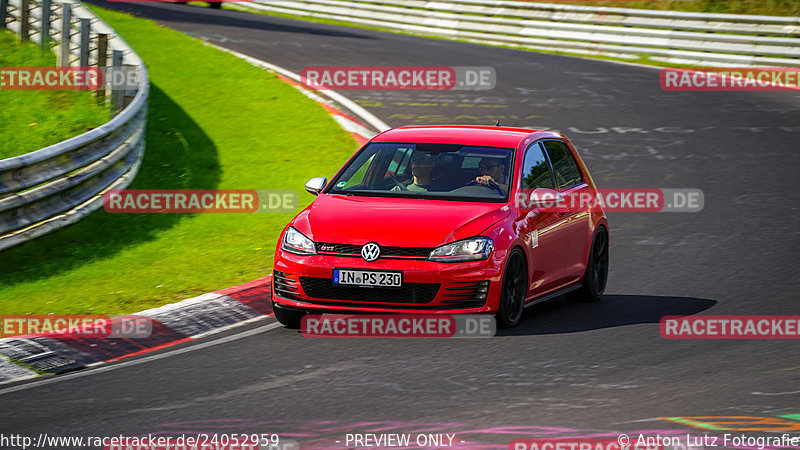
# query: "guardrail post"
[66,31]
[116,94]
[86,28]
[102,62]
[25,20]
[44,43]
[3,12]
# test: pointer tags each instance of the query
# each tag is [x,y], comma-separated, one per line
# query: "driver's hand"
[485,180]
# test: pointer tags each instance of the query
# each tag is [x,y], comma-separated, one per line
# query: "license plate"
[352,277]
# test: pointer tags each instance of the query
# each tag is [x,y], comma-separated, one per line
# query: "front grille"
[419,252]
[414,293]
[323,247]
[352,249]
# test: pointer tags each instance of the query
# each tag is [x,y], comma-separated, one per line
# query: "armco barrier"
[60,184]
[667,36]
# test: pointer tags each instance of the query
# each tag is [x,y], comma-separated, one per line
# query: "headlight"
[297,243]
[472,249]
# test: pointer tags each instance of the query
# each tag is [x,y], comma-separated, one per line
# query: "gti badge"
[370,251]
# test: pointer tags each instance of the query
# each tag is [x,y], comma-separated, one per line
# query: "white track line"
[333,95]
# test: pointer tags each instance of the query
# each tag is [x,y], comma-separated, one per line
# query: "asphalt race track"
[578,369]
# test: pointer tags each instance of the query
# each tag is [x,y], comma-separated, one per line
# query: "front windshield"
[445,171]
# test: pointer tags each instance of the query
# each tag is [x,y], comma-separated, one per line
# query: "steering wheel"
[398,183]
[492,185]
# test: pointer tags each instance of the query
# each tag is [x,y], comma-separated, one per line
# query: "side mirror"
[314,186]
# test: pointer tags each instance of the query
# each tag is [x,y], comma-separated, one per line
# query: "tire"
[596,276]
[215,5]
[290,318]
[513,290]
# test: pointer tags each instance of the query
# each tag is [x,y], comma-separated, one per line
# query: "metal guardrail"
[60,184]
[667,36]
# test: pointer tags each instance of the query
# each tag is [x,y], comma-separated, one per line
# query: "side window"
[535,172]
[564,166]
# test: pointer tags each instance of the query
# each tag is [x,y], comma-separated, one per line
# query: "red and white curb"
[172,324]
[189,319]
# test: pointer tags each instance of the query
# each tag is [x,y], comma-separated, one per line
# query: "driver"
[493,170]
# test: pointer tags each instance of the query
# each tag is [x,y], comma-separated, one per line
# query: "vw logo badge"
[370,251]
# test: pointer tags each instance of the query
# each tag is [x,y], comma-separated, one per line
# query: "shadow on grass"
[560,315]
[178,155]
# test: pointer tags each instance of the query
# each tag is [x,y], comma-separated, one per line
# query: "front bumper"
[306,283]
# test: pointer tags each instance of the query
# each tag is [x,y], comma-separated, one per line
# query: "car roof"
[487,136]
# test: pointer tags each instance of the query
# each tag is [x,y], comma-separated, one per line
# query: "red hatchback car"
[448,220]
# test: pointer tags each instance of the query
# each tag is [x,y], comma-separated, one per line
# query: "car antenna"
[498,123]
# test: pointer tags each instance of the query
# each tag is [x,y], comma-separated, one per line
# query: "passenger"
[422,168]
[493,169]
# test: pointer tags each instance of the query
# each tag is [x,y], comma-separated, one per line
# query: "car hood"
[401,222]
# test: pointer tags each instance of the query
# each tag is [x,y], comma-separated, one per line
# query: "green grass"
[214,122]
[30,120]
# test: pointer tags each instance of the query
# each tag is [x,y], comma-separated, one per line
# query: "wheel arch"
[601,225]
[525,260]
